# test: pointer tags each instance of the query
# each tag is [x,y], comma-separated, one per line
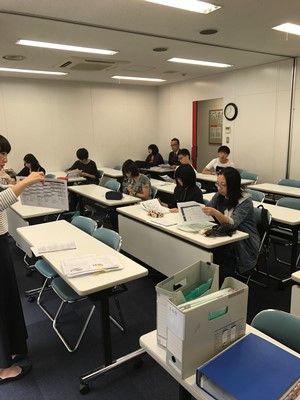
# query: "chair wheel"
[84,388]
[31,299]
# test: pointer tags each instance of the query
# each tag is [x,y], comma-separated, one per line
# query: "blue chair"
[278,232]
[279,325]
[256,195]
[249,175]
[289,182]
[86,224]
[153,192]
[112,185]
[113,240]
[50,176]
[118,167]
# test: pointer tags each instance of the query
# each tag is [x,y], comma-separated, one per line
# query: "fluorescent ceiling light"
[190,5]
[198,62]
[134,78]
[288,28]
[57,46]
[32,71]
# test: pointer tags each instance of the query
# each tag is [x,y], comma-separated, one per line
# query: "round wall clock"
[230,111]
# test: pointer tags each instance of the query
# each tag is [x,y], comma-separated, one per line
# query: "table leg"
[101,300]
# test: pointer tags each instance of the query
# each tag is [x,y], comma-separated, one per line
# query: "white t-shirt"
[213,164]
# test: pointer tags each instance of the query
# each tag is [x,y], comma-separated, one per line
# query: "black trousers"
[13,333]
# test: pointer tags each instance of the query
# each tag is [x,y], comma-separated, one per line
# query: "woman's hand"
[34,177]
[209,211]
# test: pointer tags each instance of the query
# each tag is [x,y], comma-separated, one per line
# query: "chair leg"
[62,338]
[39,303]
[121,325]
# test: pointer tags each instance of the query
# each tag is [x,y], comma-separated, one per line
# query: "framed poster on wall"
[215,126]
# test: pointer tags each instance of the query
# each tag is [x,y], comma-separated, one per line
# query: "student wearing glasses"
[232,205]
[173,155]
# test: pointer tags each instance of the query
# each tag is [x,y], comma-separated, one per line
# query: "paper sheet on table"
[53,193]
[74,174]
[192,212]
[154,205]
[167,178]
[89,264]
[50,247]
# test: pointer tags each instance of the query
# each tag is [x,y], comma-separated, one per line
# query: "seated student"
[184,157]
[154,158]
[215,165]
[135,183]
[173,159]
[234,206]
[31,164]
[186,188]
[87,166]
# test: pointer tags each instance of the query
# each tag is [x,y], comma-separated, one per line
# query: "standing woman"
[13,333]
[31,164]
[232,205]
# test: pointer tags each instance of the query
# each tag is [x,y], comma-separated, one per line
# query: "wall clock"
[230,111]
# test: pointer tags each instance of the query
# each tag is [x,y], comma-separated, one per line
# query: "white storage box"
[181,283]
[199,330]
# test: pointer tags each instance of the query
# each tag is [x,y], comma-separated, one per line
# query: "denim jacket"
[242,217]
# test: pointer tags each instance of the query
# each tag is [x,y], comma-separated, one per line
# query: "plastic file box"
[181,283]
[197,333]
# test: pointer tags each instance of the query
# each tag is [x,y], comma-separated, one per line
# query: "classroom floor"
[56,372]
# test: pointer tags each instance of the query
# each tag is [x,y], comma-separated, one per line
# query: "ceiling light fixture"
[32,71]
[198,62]
[134,78]
[189,5]
[66,47]
[288,28]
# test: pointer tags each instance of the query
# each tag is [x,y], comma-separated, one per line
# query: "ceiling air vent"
[90,64]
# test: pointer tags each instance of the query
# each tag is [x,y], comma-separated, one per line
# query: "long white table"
[213,179]
[188,386]
[166,248]
[19,215]
[97,286]
[111,172]
[273,188]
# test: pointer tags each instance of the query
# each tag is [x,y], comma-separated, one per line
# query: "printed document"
[53,193]
[50,247]
[154,205]
[192,212]
[89,264]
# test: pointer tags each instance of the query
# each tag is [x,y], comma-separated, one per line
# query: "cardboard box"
[179,284]
[196,333]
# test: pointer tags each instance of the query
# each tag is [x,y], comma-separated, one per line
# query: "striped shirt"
[7,198]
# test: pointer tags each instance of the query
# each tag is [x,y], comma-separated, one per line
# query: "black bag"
[220,230]
[113,195]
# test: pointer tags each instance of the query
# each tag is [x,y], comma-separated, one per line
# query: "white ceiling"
[135,27]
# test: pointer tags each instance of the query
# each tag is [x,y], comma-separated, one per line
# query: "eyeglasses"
[222,184]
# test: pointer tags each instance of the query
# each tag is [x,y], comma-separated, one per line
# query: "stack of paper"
[56,246]
[89,264]
[74,174]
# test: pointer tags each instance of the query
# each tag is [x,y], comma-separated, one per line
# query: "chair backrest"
[86,224]
[289,202]
[289,182]
[118,167]
[279,325]
[249,175]
[256,195]
[109,237]
[263,222]
[50,176]
[101,174]
[112,185]
[153,192]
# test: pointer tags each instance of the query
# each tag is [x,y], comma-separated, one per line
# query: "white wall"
[52,119]
[259,135]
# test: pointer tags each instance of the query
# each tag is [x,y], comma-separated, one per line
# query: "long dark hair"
[233,182]
[33,161]
[5,146]
[186,173]
[130,166]
[154,149]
